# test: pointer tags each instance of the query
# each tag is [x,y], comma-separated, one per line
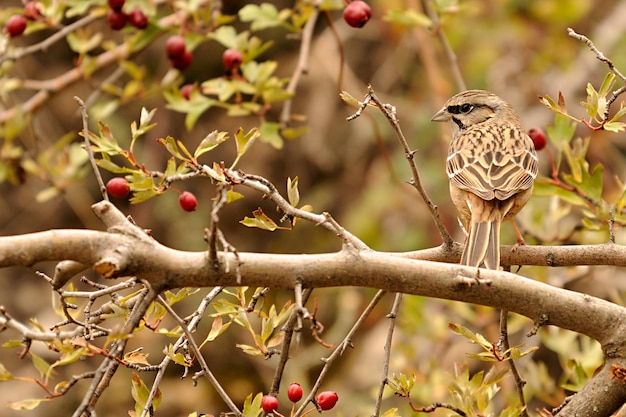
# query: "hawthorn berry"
[357,13]
[269,403]
[182,62]
[294,392]
[232,59]
[186,90]
[187,201]
[116,19]
[116,4]
[175,47]
[16,25]
[138,18]
[118,187]
[539,138]
[31,11]
[327,399]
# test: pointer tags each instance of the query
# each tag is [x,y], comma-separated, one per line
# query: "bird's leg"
[520,239]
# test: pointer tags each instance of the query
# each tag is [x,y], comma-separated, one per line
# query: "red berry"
[116,4]
[16,25]
[538,137]
[138,18]
[269,403]
[31,11]
[357,13]
[294,392]
[187,201]
[116,19]
[327,399]
[175,47]
[186,90]
[182,62]
[118,187]
[232,59]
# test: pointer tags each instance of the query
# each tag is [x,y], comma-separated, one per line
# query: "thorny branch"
[571,32]
[390,113]
[385,374]
[339,350]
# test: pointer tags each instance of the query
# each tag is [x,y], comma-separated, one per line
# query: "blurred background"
[354,170]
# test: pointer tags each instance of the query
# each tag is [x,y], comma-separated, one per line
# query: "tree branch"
[137,254]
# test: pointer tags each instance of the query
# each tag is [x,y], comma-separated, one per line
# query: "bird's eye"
[466,108]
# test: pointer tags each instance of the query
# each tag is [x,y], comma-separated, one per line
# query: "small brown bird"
[491,164]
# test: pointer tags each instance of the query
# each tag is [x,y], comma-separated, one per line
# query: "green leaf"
[546,189]
[225,35]
[141,196]
[614,126]
[178,358]
[592,101]
[252,407]
[607,84]
[233,196]
[265,16]
[4,374]
[27,404]
[250,350]
[562,130]
[171,145]
[244,141]
[217,329]
[260,220]
[193,108]
[270,133]
[82,42]
[42,366]
[291,133]
[210,142]
[590,182]
[292,191]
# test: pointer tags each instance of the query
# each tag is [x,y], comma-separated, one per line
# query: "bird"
[491,165]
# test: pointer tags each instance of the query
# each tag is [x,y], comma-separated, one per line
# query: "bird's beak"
[441,116]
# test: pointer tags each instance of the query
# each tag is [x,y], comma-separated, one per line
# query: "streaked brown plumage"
[491,164]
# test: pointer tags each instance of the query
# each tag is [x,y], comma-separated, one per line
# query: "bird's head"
[473,107]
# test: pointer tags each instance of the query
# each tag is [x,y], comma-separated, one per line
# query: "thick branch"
[169,268]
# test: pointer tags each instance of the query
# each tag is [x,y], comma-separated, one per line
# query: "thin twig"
[191,326]
[303,62]
[505,345]
[452,59]
[109,365]
[266,187]
[218,203]
[92,159]
[571,32]
[196,350]
[385,374]
[390,113]
[339,351]
[289,329]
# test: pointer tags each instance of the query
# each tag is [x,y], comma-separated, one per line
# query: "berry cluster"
[176,50]
[16,25]
[357,13]
[119,187]
[324,401]
[117,18]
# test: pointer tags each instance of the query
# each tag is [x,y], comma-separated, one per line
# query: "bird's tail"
[482,248]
